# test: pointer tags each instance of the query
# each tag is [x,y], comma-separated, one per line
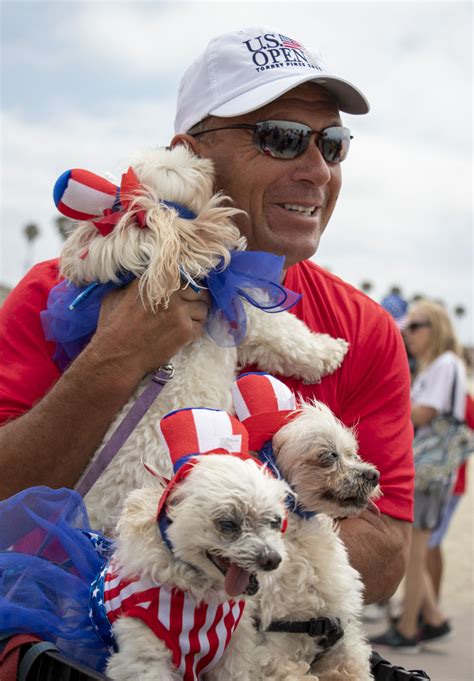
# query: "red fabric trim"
[10,655]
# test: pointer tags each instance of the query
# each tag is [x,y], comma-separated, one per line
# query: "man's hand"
[131,334]
[378,548]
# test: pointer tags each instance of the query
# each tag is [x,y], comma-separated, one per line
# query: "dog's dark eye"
[228,526]
[329,458]
[275,523]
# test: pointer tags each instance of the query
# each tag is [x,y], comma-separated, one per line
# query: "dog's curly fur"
[278,343]
[218,488]
[318,457]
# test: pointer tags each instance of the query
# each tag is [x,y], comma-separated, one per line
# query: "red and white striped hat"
[263,404]
[190,432]
[82,195]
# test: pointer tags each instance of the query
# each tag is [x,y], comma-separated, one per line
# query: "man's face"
[271,190]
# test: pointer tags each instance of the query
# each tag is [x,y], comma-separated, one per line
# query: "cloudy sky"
[86,84]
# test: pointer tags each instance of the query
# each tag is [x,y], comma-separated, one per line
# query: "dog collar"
[267,457]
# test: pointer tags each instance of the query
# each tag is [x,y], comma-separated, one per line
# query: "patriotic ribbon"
[253,276]
[72,312]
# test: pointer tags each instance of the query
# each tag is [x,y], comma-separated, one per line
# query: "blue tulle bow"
[254,276]
[72,312]
[72,315]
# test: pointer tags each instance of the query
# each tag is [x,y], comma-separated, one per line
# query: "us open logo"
[276,51]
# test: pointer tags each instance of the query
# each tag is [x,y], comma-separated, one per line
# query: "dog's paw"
[329,357]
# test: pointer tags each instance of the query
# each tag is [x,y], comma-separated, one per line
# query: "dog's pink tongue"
[236,580]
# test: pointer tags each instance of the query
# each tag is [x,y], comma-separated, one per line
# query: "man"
[287,183]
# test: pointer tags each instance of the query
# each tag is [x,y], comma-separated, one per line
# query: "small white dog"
[154,243]
[317,455]
[188,558]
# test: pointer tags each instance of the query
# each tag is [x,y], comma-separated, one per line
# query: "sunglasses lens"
[285,139]
[334,144]
[282,139]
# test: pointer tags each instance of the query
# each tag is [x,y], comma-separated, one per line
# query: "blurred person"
[434,555]
[265,110]
[439,386]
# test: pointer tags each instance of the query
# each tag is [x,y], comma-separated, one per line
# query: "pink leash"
[98,465]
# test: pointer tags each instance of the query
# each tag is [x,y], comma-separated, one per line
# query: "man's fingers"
[189,295]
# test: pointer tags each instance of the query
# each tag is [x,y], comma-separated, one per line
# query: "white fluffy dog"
[317,455]
[204,372]
[225,522]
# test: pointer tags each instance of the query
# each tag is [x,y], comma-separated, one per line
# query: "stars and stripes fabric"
[263,404]
[196,635]
[289,42]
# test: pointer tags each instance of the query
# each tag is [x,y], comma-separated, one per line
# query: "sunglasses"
[413,326]
[287,139]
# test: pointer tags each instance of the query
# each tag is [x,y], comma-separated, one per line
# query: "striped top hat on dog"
[188,433]
[263,404]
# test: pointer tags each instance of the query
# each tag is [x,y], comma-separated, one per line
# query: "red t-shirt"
[371,391]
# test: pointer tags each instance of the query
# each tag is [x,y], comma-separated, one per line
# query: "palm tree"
[31,232]
[64,226]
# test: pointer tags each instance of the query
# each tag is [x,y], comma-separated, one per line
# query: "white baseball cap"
[243,70]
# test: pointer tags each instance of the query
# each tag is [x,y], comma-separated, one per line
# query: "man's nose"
[311,166]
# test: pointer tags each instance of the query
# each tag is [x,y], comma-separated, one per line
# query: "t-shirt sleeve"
[378,405]
[27,370]
[433,387]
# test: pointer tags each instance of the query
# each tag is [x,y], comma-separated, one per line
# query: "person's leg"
[434,556]
[432,615]
[414,584]
[434,565]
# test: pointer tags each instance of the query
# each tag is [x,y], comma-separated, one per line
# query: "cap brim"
[349,98]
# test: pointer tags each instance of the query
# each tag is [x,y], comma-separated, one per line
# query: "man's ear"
[187,140]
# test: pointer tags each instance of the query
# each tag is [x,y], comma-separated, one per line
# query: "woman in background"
[439,386]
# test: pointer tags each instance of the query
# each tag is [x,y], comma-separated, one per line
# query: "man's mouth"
[306,211]
[237,580]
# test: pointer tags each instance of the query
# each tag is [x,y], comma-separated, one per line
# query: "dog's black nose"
[269,560]
[372,476]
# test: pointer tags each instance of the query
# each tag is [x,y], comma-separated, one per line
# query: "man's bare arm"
[378,547]
[52,443]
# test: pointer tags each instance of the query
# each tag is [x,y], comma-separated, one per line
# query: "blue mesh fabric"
[47,564]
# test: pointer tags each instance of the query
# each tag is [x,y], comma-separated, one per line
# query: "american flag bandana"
[196,634]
